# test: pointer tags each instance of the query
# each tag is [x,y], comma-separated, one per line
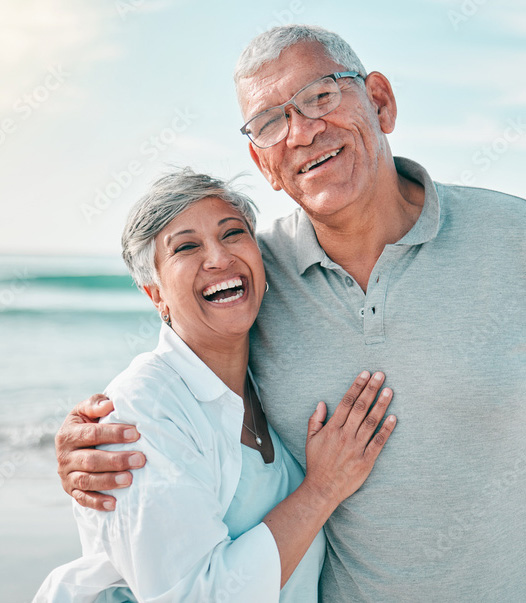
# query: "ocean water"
[67,327]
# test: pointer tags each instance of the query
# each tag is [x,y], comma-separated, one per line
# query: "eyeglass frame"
[334,76]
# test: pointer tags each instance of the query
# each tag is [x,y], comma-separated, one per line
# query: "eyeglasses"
[313,101]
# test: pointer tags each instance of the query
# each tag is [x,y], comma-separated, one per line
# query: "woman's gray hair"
[168,197]
[268,45]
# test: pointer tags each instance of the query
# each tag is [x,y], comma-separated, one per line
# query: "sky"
[101,97]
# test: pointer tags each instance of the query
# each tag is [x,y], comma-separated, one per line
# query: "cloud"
[43,31]
[512,21]
[155,6]
[475,131]
[512,99]
[38,34]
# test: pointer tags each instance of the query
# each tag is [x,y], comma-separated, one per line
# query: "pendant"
[259,441]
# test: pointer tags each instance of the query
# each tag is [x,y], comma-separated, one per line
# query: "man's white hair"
[270,44]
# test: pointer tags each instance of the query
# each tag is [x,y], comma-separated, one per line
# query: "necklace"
[259,441]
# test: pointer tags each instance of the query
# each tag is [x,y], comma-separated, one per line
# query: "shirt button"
[362,312]
[349,281]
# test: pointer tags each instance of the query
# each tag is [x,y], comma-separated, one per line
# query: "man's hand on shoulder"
[84,470]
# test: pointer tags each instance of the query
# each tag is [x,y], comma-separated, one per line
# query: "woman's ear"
[153,292]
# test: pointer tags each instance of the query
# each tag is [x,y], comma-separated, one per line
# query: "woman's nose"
[217,257]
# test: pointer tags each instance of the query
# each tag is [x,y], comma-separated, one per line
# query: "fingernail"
[391,418]
[101,402]
[135,460]
[122,479]
[130,434]
[108,505]
[364,375]
[378,376]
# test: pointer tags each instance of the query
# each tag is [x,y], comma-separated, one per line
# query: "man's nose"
[218,257]
[302,130]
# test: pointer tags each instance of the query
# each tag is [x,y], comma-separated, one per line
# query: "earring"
[166,318]
[266,286]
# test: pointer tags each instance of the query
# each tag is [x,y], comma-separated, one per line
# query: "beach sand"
[37,529]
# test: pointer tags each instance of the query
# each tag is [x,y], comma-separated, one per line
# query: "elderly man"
[383,269]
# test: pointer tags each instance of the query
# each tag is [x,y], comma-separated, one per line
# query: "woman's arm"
[340,456]
[167,537]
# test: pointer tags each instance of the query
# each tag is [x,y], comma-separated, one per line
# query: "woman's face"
[211,274]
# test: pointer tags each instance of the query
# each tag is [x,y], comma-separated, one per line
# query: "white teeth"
[235,282]
[228,299]
[308,166]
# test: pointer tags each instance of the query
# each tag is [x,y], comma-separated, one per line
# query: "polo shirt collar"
[204,384]
[309,251]
[427,226]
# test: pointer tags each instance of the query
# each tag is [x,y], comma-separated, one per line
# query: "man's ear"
[382,97]
[253,150]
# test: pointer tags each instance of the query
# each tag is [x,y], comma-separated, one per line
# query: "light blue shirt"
[261,487]
[168,538]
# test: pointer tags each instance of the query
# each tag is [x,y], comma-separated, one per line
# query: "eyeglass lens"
[316,100]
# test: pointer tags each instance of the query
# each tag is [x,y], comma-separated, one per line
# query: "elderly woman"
[222,511]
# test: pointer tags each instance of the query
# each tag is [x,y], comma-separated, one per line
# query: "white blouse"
[167,538]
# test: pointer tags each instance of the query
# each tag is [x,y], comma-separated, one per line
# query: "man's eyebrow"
[260,108]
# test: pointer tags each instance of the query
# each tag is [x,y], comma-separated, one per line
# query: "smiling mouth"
[226,291]
[312,165]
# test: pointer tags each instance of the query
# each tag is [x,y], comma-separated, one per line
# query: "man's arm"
[83,470]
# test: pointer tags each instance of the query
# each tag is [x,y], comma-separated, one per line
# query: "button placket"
[374,327]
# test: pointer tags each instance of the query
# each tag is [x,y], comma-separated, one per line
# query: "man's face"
[354,132]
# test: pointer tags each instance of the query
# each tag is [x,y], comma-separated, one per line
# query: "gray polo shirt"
[442,517]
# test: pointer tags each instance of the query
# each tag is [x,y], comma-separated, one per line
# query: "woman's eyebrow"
[172,235]
[168,238]
[232,218]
